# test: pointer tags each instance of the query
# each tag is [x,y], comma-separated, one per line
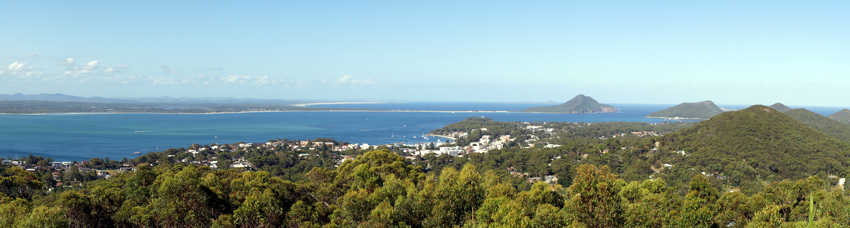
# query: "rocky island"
[579,104]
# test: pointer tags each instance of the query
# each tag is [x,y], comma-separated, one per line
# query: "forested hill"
[780,107]
[579,104]
[702,110]
[821,123]
[843,115]
[757,143]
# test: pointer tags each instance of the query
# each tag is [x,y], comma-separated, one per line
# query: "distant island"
[698,110]
[579,104]
[780,107]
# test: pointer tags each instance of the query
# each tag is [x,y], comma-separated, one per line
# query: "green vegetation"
[579,104]
[382,189]
[820,123]
[780,107]
[700,110]
[756,144]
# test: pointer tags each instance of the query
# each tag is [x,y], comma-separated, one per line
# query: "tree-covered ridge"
[823,124]
[579,104]
[780,107]
[843,115]
[700,110]
[755,144]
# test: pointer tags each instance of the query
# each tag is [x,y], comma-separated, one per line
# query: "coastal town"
[245,156]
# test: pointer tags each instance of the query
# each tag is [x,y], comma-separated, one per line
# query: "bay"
[77,137]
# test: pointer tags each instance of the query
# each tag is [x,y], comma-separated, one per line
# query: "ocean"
[77,137]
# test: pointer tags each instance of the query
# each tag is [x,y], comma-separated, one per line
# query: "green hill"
[757,143]
[821,123]
[702,110]
[780,107]
[579,104]
[843,115]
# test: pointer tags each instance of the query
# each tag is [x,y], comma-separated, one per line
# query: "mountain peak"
[780,107]
[579,104]
[701,110]
[843,115]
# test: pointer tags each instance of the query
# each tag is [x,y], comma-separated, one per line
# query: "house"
[103,174]
[550,179]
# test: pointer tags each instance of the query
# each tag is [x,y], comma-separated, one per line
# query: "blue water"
[68,137]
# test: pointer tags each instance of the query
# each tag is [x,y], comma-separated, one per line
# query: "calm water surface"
[67,137]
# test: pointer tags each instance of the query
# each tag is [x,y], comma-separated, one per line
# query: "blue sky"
[663,52]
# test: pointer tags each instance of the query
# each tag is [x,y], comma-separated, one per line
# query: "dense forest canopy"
[821,123]
[758,143]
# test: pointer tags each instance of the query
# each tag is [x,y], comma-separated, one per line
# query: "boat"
[137,152]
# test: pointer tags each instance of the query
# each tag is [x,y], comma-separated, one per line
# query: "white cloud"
[66,62]
[115,69]
[344,79]
[90,65]
[235,78]
[262,80]
[18,66]
[348,79]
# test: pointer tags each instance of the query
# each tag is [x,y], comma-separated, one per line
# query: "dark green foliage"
[579,104]
[701,110]
[821,123]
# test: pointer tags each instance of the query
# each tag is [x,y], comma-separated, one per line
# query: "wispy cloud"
[75,71]
[119,68]
[211,69]
[19,66]
[65,62]
[168,70]
[348,79]
[91,65]
[258,80]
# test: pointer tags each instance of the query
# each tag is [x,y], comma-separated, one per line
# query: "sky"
[643,52]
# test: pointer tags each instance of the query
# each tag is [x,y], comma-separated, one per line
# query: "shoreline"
[675,118]
[335,103]
[211,113]
[442,136]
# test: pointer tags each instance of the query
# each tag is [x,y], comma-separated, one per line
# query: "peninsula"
[579,104]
